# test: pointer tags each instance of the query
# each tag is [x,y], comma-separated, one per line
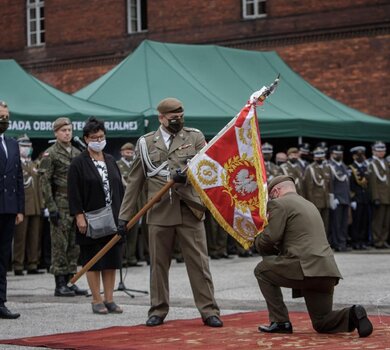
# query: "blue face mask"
[97,146]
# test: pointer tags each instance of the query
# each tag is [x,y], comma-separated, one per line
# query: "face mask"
[360,159]
[4,126]
[267,157]
[25,152]
[130,158]
[319,161]
[97,146]
[279,162]
[293,160]
[337,158]
[175,125]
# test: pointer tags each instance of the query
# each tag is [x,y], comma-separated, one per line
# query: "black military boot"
[74,288]
[61,288]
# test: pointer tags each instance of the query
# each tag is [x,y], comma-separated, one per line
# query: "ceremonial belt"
[151,169]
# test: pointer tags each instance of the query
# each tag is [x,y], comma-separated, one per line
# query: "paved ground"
[366,281]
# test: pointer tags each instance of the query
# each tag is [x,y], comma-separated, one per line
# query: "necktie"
[170,141]
[3,156]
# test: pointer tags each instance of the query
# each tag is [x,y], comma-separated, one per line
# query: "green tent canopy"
[215,82]
[34,106]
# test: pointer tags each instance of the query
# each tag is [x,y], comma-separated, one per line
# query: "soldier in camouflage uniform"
[54,183]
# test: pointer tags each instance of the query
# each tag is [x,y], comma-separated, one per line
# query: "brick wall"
[339,46]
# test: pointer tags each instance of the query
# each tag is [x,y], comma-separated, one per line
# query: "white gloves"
[255,96]
[353,205]
[334,202]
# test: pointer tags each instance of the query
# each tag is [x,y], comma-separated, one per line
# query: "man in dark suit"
[297,255]
[11,203]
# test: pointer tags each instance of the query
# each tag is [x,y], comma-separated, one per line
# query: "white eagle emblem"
[244,183]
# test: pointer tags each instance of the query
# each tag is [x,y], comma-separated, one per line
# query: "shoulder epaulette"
[191,129]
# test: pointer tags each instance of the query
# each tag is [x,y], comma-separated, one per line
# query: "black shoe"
[214,257]
[34,272]
[386,245]
[64,291]
[5,313]
[213,321]
[77,290]
[277,327]
[179,260]
[19,273]
[358,318]
[154,321]
[134,264]
[246,254]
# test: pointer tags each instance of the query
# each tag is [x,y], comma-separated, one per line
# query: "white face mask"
[97,146]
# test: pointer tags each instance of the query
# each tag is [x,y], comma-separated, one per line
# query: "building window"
[254,8]
[35,22]
[137,20]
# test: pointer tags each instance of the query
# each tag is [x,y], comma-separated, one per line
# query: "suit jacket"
[11,181]
[85,188]
[294,243]
[167,211]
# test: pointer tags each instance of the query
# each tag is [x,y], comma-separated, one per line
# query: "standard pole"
[117,237]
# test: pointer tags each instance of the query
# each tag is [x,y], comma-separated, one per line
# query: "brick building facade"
[342,47]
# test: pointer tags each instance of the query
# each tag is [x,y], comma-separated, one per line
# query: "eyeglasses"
[97,138]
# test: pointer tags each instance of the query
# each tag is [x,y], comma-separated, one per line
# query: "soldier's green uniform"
[129,255]
[54,173]
[54,184]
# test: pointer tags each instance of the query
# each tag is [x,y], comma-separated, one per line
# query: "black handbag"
[100,222]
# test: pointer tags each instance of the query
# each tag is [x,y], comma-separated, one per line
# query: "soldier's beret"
[319,152]
[278,179]
[358,149]
[337,149]
[304,147]
[170,105]
[127,145]
[379,146]
[267,148]
[292,150]
[24,140]
[60,122]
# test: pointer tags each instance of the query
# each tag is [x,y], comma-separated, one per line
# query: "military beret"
[127,145]
[319,152]
[379,146]
[170,105]
[278,179]
[24,140]
[60,122]
[292,150]
[358,149]
[267,148]
[304,147]
[337,149]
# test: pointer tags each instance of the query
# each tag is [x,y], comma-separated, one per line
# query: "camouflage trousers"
[64,251]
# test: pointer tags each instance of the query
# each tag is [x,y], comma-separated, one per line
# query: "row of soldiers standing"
[359,193]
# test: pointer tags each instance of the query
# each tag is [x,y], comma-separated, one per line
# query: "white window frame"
[134,17]
[256,13]
[36,5]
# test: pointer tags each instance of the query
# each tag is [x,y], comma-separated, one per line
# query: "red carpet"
[239,332]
